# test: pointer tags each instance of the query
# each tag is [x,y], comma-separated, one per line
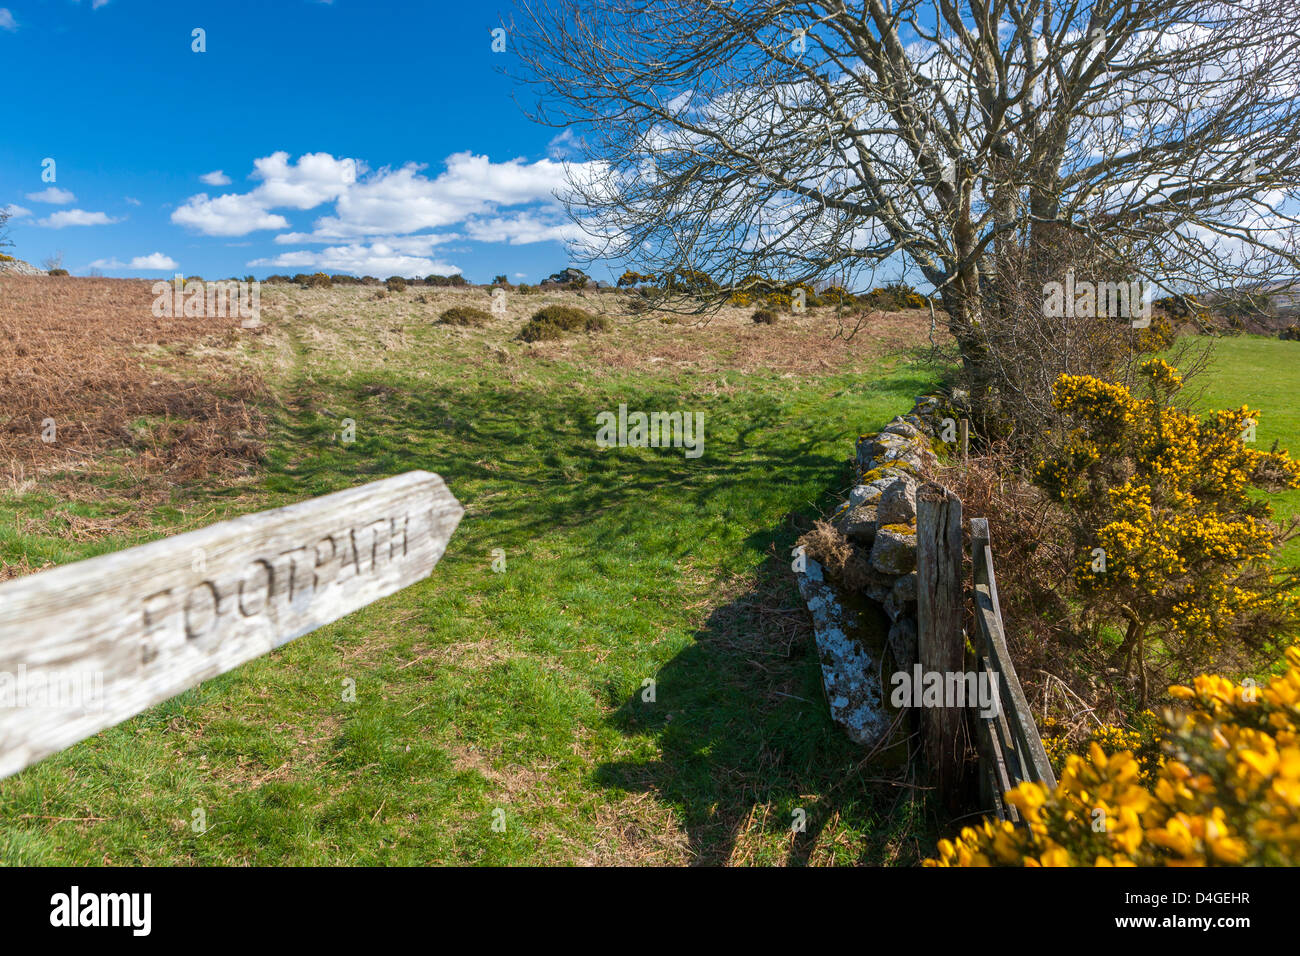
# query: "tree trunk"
[1126,649]
[1142,666]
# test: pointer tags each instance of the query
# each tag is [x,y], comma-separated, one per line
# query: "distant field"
[1263,373]
[476,691]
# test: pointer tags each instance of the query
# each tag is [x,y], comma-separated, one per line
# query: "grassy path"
[518,698]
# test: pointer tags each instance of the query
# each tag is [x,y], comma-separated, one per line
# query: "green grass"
[1263,373]
[519,692]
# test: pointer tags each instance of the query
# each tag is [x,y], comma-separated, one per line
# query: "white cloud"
[16,211]
[317,178]
[7,21]
[229,215]
[76,217]
[54,195]
[562,145]
[215,178]
[154,262]
[376,258]
[132,200]
[380,222]
[522,229]
[404,201]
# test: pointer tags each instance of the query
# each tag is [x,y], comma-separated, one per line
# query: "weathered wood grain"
[108,637]
[940,647]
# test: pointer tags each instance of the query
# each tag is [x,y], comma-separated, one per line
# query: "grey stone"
[901,426]
[897,503]
[879,587]
[19,268]
[905,588]
[893,551]
[901,601]
[913,452]
[849,672]
[902,642]
[919,423]
[869,493]
[859,524]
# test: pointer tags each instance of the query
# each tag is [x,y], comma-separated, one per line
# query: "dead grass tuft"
[846,564]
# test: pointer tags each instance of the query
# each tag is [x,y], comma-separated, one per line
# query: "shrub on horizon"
[555,321]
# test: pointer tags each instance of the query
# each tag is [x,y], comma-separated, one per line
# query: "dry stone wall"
[880,518]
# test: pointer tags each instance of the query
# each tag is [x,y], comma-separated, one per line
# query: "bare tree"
[5,242]
[823,140]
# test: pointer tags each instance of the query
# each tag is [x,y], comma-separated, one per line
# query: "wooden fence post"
[939,627]
[964,430]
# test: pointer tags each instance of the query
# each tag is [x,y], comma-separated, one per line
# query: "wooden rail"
[1011,750]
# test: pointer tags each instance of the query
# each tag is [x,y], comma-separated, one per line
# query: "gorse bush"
[764,317]
[395,284]
[1142,737]
[465,315]
[689,282]
[1168,537]
[557,321]
[630,278]
[894,297]
[1227,793]
[1156,337]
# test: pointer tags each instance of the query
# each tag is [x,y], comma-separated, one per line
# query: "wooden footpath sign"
[87,645]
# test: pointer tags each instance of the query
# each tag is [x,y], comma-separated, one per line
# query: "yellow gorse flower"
[1228,793]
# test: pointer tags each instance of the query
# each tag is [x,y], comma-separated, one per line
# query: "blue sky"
[358,136]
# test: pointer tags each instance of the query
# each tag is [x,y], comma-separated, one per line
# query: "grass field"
[1263,373]
[481,696]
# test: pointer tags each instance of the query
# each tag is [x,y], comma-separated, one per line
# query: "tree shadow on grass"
[540,451]
[748,746]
